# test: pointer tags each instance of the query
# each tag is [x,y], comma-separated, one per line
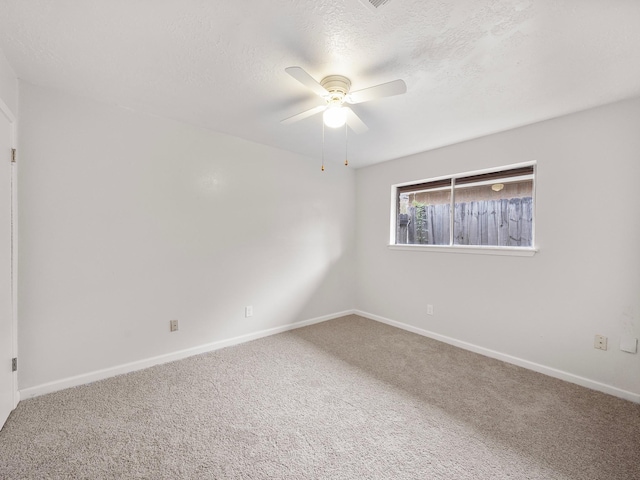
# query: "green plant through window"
[421,222]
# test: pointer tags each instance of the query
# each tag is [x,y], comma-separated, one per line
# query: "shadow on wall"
[309,277]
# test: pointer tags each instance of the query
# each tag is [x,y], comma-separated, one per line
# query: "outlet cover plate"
[600,342]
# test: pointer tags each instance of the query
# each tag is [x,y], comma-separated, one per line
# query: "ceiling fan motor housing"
[337,86]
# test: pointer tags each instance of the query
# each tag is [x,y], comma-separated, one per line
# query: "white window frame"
[471,249]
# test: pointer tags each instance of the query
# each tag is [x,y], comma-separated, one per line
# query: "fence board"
[502,222]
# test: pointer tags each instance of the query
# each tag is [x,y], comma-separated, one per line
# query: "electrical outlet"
[600,342]
[429,309]
[248,311]
[173,325]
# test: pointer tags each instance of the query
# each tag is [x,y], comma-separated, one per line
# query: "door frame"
[8,114]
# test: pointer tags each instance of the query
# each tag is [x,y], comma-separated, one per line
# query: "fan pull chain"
[346,143]
[323,146]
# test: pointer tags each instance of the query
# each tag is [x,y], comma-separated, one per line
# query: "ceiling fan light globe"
[335,117]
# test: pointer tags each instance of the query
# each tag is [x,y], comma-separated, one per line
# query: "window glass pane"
[496,213]
[424,217]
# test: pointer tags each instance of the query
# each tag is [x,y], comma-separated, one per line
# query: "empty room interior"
[359,239]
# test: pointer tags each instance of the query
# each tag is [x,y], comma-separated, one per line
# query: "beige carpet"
[346,399]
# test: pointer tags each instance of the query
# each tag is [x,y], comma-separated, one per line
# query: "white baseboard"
[181,354]
[536,367]
[166,358]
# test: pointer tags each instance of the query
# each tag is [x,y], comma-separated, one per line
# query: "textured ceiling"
[472,67]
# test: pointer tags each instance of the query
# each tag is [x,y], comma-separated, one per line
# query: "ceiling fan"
[335,90]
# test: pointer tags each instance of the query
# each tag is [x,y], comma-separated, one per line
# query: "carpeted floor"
[345,399]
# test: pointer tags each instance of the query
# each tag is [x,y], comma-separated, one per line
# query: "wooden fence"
[504,222]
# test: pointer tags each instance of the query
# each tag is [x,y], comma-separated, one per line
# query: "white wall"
[8,85]
[545,309]
[128,221]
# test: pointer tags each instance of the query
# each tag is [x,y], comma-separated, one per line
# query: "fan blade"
[303,115]
[354,121]
[307,80]
[389,89]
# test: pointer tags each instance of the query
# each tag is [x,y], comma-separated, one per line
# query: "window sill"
[508,251]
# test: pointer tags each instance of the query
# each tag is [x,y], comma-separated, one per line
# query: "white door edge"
[8,114]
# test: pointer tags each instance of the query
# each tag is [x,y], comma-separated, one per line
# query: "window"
[487,209]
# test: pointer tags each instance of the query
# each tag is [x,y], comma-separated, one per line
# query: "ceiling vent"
[374,4]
